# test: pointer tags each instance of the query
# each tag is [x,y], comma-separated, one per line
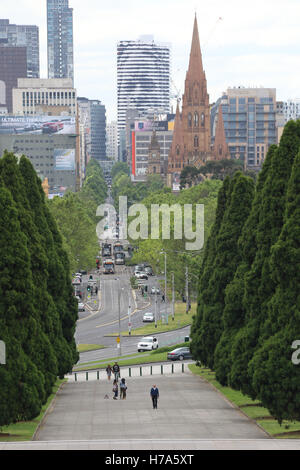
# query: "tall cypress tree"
[234,311]
[37,346]
[225,262]
[275,379]
[198,351]
[22,384]
[51,320]
[259,285]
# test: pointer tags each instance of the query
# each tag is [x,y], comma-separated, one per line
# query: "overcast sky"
[255,43]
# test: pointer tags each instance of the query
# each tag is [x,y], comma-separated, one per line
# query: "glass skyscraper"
[143,77]
[60,39]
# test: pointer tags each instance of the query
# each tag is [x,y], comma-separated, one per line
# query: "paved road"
[189,409]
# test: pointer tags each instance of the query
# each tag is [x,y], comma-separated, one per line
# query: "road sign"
[118,340]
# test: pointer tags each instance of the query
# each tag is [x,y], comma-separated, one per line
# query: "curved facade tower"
[143,77]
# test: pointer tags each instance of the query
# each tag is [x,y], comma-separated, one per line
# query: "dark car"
[180,354]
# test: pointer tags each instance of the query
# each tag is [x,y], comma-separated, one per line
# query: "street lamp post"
[155,314]
[119,309]
[173,297]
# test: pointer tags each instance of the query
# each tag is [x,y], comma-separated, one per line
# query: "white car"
[155,290]
[81,307]
[148,317]
[149,343]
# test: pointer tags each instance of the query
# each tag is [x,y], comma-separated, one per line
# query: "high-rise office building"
[92,120]
[13,65]
[143,77]
[112,140]
[23,36]
[98,130]
[249,116]
[60,39]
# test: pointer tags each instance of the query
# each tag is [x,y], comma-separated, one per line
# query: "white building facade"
[35,96]
[112,140]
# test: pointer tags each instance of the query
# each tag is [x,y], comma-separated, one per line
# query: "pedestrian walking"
[154,395]
[116,371]
[108,371]
[115,389]
[163,298]
[123,388]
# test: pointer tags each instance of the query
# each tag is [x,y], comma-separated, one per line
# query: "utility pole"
[129,317]
[187,289]
[155,314]
[166,306]
[173,297]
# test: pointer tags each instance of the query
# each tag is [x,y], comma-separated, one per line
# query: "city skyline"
[255,46]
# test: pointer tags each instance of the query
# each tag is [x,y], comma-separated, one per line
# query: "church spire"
[195,65]
[220,149]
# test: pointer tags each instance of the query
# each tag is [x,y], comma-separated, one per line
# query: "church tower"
[191,139]
[220,150]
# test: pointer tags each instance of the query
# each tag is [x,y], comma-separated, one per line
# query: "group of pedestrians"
[115,369]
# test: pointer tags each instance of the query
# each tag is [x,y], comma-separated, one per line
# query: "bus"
[118,248]
[106,250]
[109,266]
[120,258]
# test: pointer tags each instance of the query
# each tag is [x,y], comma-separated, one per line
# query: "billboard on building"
[141,126]
[37,124]
[64,159]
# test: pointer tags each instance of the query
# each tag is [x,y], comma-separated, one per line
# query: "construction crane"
[213,30]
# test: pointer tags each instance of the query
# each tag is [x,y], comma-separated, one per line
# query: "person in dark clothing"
[154,395]
[116,371]
[123,388]
[115,390]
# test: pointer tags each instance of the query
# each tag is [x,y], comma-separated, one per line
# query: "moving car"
[148,317]
[155,290]
[149,270]
[141,275]
[77,281]
[179,354]
[149,343]
[81,307]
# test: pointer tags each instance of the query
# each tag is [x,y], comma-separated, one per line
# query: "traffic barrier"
[138,371]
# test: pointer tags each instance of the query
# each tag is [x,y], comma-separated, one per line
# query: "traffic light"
[88,288]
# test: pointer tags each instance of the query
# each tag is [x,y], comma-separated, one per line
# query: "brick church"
[191,144]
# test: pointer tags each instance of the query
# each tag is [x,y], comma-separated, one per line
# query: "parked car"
[148,317]
[148,343]
[179,354]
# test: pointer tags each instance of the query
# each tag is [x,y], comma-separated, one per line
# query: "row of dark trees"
[38,311]
[248,303]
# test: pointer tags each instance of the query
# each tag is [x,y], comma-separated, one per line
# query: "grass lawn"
[25,430]
[160,355]
[181,320]
[89,347]
[253,409]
